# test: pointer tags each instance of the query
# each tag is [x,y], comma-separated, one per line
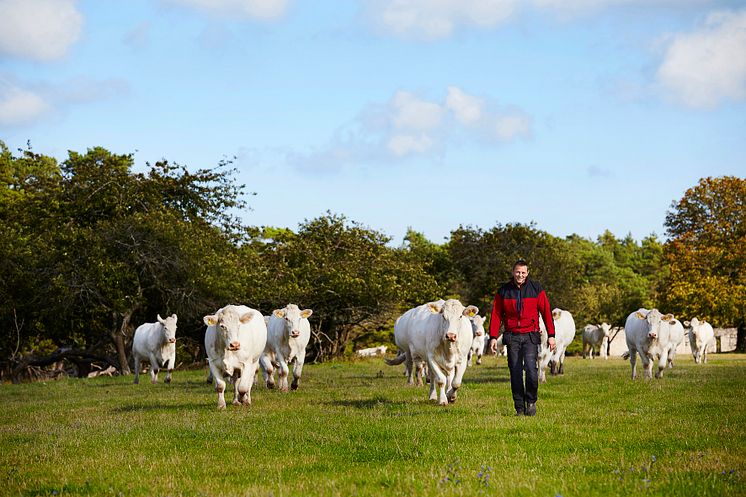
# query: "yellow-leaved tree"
[706,253]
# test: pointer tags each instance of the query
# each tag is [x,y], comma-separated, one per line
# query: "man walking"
[517,306]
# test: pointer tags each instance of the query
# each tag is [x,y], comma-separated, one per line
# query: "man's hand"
[493,345]
[551,344]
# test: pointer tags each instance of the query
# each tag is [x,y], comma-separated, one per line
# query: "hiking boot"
[531,409]
[519,412]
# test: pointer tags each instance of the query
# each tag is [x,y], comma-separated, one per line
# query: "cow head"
[169,328]
[556,313]
[692,325]
[453,312]
[292,316]
[606,329]
[227,321]
[654,319]
[477,325]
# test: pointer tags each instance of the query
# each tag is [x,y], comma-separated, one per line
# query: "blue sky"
[578,115]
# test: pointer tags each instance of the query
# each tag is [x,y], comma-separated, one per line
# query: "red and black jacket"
[518,309]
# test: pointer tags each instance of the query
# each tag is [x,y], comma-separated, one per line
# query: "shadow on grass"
[367,403]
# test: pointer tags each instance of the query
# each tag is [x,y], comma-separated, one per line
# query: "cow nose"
[451,337]
[295,334]
[234,346]
[651,335]
[171,340]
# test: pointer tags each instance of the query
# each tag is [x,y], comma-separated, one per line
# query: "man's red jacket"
[518,309]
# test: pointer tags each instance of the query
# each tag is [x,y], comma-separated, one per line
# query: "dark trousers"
[523,351]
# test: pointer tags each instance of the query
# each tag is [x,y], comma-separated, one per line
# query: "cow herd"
[436,340]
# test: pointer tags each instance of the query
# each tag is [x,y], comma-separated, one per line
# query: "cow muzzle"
[294,334]
[652,336]
[171,340]
[451,337]
[234,346]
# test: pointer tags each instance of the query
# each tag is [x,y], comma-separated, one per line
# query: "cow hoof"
[294,386]
[443,403]
[221,406]
[479,361]
[270,385]
[236,402]
[167,380]
[284,389]
[137,381]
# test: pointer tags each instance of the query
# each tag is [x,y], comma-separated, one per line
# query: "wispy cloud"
[42,30]
[253,9]
[435,19]
[24,104]
[20,106]
[411,126]
[599,172]
[708,66]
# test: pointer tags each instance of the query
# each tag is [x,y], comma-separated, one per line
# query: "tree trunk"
[117,336]
[741,337]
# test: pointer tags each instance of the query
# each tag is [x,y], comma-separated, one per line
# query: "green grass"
[355,428]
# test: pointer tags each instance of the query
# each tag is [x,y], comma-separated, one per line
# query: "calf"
[700,336]
[596,336]
[235,339]
[288,334]
[155,343]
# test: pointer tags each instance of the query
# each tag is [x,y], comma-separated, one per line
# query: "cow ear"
[280,313]
[210,320]
[639,315]
[471,311]
[434,308]
[686,323]
[246,317]
[175,317]
[305,313]
[668,317]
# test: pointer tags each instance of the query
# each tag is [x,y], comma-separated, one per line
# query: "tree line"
[93,248]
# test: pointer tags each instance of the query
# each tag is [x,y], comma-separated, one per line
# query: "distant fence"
[724,341]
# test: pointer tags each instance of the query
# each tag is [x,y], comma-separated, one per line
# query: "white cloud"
[707,66]
[466,108]
[410,112]
[434,19]
[572,8]
[409,126]
[20,106]
[257,9]
[39,29]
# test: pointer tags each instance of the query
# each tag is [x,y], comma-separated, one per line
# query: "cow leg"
[267,370]
[419,372]
[245,383]
[169,369]
[137,369]
[633,363]
[439,379]
[479,357]
[237,380]
[154,367]
[647,366]
[219,385]
[455,383]
[282,373]
[297,372]
[562,365]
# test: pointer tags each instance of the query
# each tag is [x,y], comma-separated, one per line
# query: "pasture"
[355,428]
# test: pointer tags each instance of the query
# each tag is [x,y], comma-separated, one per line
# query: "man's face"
[520,273]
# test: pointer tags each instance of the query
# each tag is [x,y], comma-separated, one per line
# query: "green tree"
[354,282]
[706,256]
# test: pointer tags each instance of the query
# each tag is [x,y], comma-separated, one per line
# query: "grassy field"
[355,428]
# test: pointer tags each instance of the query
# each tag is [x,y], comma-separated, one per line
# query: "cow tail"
[396,360]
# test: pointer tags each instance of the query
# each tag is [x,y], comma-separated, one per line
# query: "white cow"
[235,339]
[676,336]
[700,336]
[477,343]
[372,351]
[288,334]
[648,334]
[439,334]
[596,336]
[564,333]
[155,343]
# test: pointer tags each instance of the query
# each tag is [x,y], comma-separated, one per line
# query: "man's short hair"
[520,262]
